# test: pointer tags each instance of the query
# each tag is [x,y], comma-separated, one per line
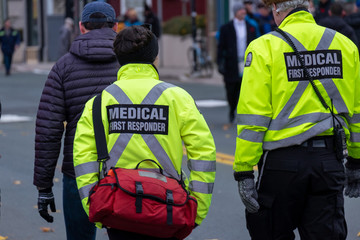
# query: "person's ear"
[115,27]
[83,30]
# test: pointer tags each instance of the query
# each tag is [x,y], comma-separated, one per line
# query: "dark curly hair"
[136,44]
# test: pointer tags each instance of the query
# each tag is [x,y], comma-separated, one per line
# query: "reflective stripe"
[300,138]
[85,190]
[326,39]
[118,94]
[156,92]
[118,148]
[355,137]
[279,123]
[201,165]
[283,121]
[85,168]
[252,136]
[354,119]
[333,91]
[253,119]
[161,155]
[201,187]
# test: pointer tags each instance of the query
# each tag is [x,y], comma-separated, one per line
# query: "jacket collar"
[137,71]
[298,15]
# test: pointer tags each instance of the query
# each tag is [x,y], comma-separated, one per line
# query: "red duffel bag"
[143,202]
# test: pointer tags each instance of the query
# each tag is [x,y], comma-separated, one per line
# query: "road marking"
[211,103]
[8,118]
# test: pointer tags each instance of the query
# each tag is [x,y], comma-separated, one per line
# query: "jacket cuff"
[239,176]
[352,163]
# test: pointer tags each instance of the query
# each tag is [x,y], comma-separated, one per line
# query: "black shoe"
[7,73]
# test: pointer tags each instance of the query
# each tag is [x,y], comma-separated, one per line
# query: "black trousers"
[300,187]
[116,234]
[232,95]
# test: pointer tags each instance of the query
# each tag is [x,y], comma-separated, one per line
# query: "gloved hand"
[247,191]
[352,185]
[46,197]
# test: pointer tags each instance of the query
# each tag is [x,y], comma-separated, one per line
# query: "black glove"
[247,191]
[46,197]
[352,185]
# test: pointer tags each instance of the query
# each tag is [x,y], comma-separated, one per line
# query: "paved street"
[19,219]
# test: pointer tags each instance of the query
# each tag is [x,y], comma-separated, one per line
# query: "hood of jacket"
[96,45]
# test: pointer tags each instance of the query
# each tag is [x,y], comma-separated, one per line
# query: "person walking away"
[153,20]
[138,86]
[352,17]
[298,117]
[10,41]
[335,21]
[85,71]
[233,39]
[66,35]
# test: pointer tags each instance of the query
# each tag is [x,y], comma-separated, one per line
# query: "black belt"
[319,142]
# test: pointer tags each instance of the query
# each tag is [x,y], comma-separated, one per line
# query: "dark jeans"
[115,234]
[232,95]
[7,62]
[299,187]
[77,222]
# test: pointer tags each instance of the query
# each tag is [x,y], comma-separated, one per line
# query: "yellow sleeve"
[201,154]
[254,108]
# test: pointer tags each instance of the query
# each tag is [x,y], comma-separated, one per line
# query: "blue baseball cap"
[98,7]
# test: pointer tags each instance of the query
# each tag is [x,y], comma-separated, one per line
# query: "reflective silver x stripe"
[252,136]
[201,187]
[282,120]
[254,120]
[201,165]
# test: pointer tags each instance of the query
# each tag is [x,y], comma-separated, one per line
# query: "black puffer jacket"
[85,71]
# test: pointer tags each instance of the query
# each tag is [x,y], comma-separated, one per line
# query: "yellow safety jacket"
[278,107]
[145,118]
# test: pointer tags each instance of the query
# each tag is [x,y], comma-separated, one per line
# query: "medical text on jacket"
[137,118]
[321,64]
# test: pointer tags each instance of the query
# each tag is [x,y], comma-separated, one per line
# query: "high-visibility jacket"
[145,118]
[278,107]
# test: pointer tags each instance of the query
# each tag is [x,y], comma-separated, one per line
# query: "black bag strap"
[100,138]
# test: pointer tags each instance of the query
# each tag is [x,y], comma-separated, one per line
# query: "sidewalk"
[166,73]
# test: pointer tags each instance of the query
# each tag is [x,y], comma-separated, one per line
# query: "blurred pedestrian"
[10,41]
[66,36]
[83,72]
[265,19]
[153,20]
[298,120]
[138,83]
[322,10]
[335,21]
[352,17]
[234,37]
[131,18]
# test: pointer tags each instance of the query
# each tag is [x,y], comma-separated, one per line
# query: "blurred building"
[39,21]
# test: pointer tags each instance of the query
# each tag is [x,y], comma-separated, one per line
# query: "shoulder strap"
[99,132]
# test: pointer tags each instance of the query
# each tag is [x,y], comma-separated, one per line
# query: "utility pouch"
[340,142]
